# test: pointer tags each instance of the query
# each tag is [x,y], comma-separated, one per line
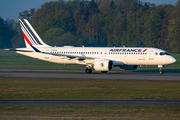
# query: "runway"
[112,75]
[91,101]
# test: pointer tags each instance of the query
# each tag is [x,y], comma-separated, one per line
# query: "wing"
[69,56]
[82,59]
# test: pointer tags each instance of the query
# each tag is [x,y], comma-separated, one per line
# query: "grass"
[12,60]
[87,89]
[80,112]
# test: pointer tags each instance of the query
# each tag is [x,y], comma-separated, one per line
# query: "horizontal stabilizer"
[20,49]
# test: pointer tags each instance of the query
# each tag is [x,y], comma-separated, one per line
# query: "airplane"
[100,58]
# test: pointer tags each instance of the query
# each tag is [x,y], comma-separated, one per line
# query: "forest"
[99,23]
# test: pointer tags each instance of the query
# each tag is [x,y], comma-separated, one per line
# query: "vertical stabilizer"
[30,36]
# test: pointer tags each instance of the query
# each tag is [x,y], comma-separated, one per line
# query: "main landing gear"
[88,71]
[161,70]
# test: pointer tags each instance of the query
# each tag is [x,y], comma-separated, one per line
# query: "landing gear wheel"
[160,72]
[88,71]
[104,71]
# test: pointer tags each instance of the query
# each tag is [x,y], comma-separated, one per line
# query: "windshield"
[164,53]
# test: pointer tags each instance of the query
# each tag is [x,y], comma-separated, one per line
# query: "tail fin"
[31,38]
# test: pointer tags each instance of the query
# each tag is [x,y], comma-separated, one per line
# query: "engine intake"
[103,65]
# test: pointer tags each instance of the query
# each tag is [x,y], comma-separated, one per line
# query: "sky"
[11,8]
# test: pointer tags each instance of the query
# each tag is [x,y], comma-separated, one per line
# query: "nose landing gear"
[161,70]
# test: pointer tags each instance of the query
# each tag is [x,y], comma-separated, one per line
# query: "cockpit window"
[164,53]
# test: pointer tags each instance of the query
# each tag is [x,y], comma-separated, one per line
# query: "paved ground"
[91,101]
[95,75]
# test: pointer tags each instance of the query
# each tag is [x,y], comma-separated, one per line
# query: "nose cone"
[171,60]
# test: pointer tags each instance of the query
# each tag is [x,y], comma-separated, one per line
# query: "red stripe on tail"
[26,38]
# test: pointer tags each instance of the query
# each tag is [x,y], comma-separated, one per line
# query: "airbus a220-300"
[100,58]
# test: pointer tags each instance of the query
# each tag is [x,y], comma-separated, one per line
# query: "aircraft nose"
[171,60]
[174,60]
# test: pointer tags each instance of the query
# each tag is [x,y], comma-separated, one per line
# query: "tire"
[161,72]
[88,71]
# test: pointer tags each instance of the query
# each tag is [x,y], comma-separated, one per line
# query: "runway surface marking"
[112,75]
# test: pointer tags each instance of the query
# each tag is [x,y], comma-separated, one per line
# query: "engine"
[103,65]
[128,67]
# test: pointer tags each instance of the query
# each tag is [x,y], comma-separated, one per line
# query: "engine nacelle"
[128,67]
[103,65]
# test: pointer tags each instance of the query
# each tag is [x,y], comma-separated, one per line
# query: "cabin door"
[151,55]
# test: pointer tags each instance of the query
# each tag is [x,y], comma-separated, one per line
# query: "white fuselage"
[119,55]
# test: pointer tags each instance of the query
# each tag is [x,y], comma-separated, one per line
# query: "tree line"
[101,23]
